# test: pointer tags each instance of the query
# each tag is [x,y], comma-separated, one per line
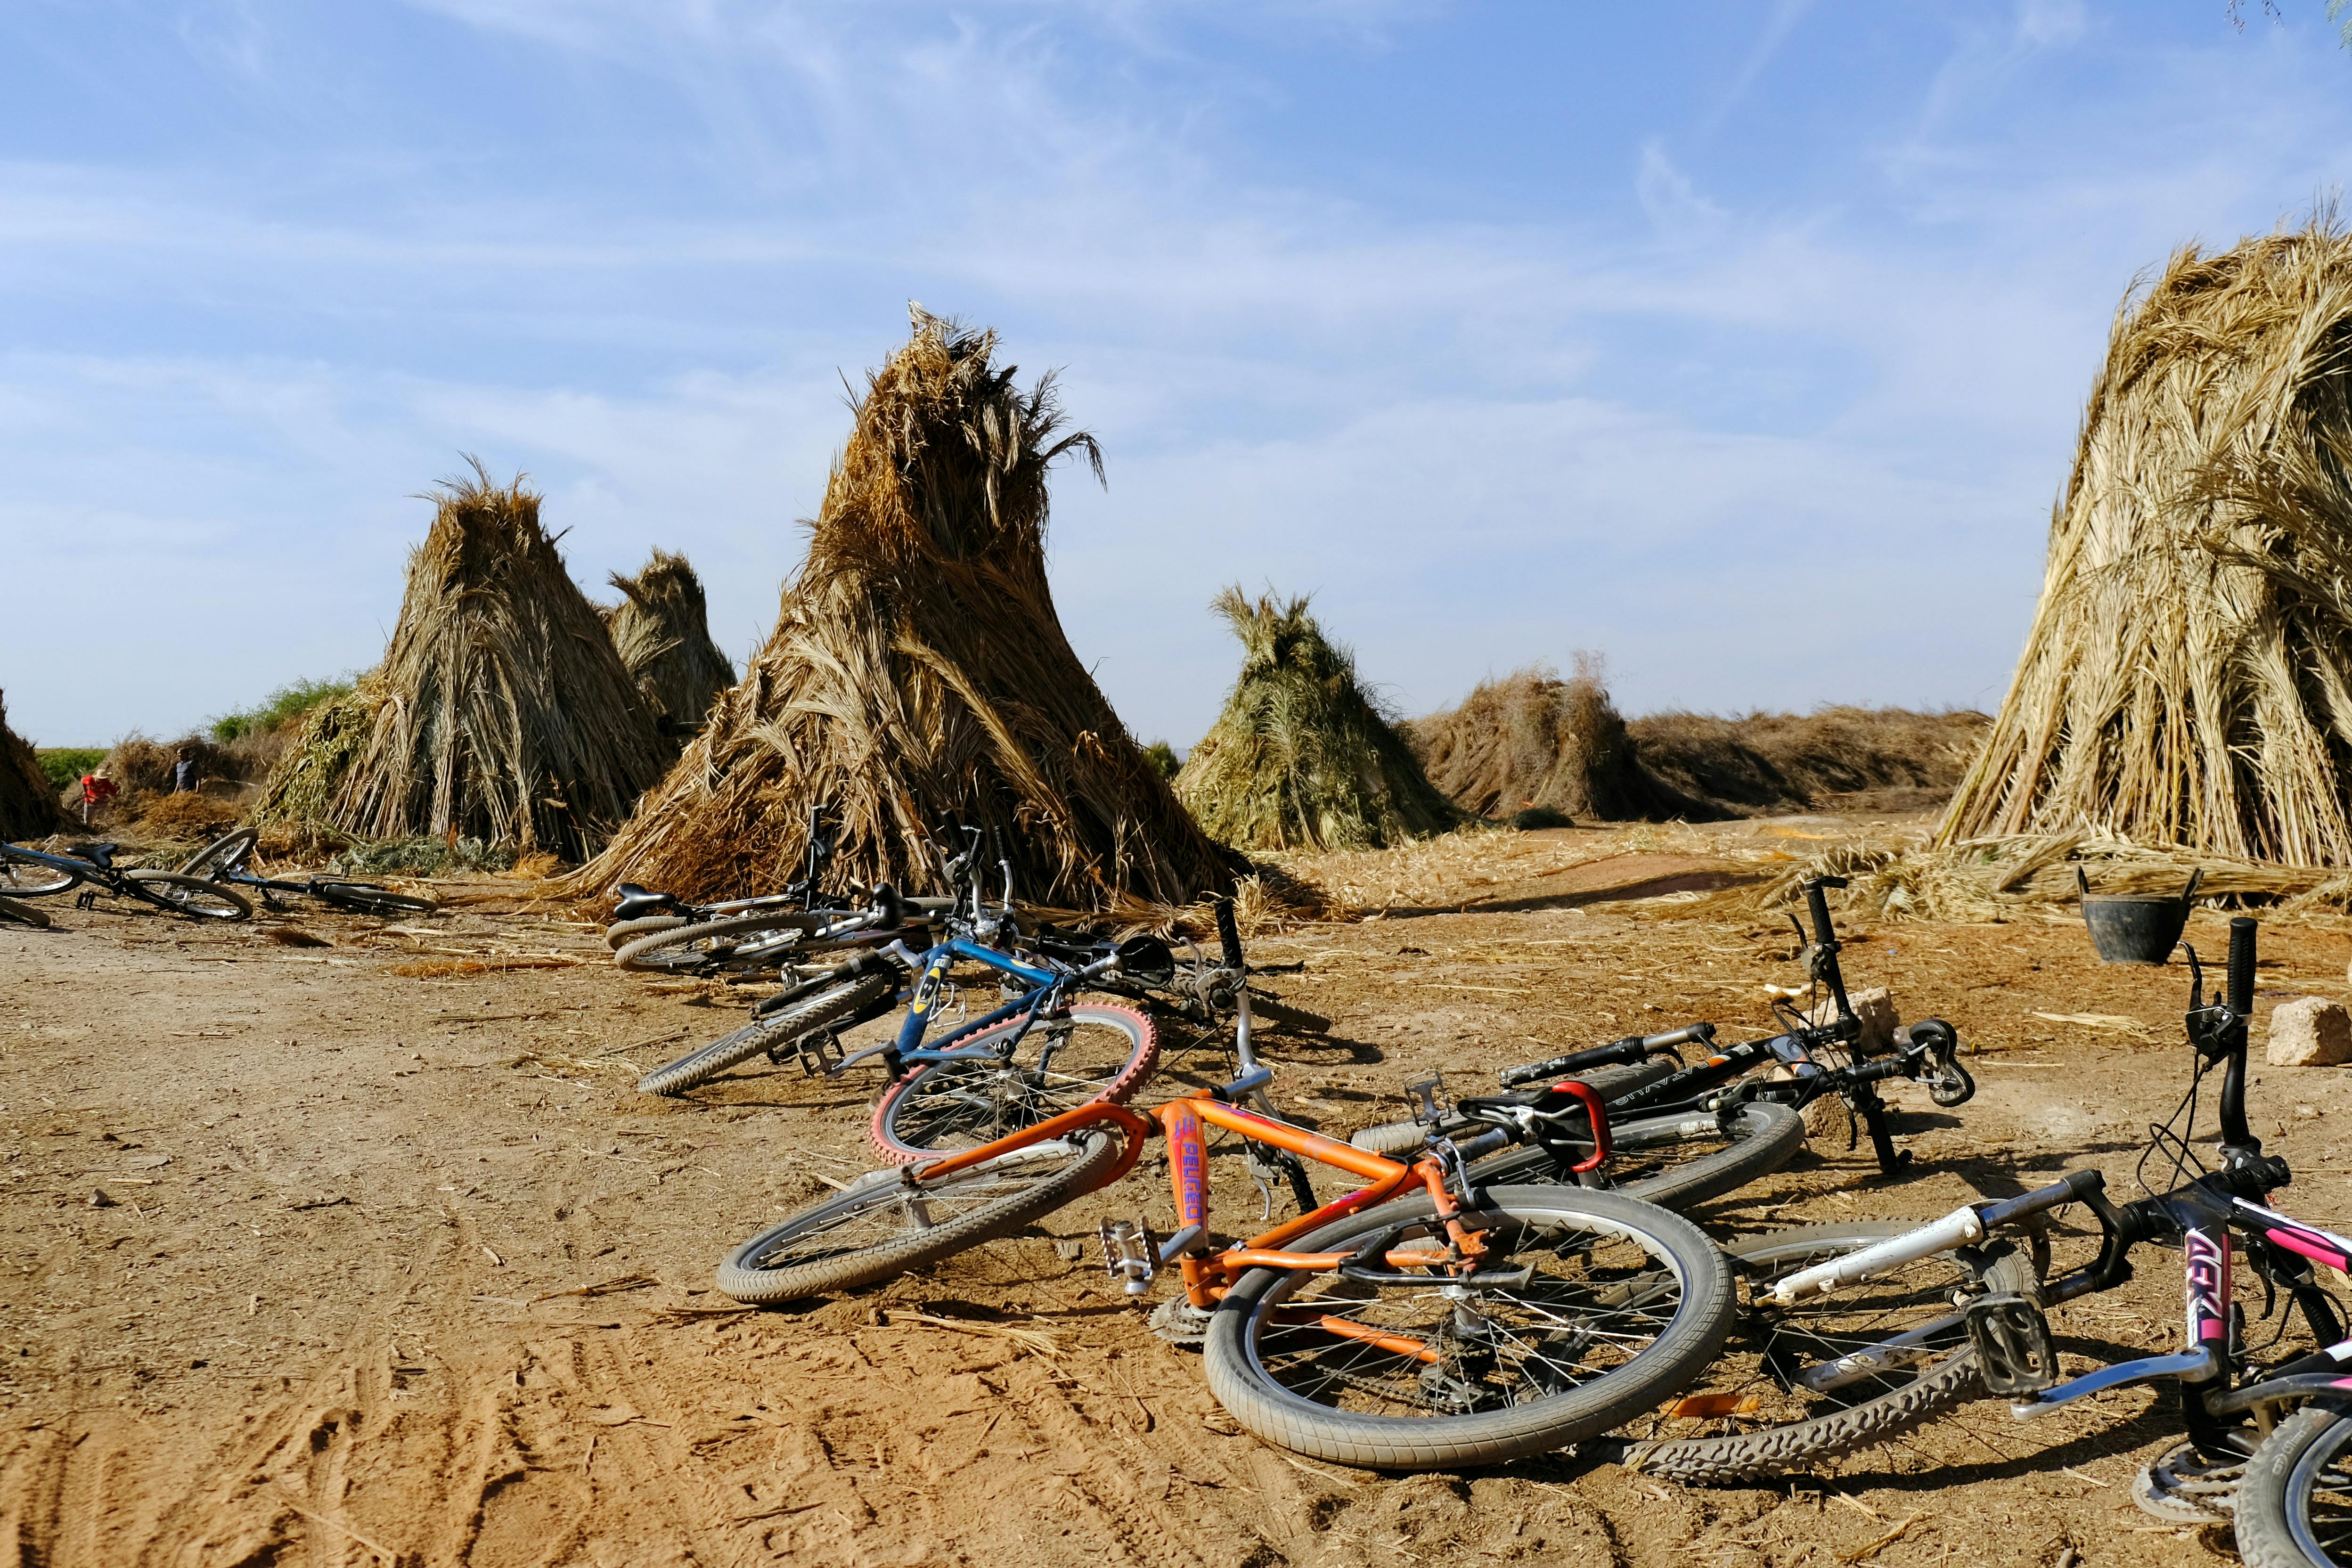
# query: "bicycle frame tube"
[1137,1127]
[909,1046]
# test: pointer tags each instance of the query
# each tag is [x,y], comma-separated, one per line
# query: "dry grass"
[140,766]
[918,670]
[2187,679]
[500,712]
[28,805]
[661,629]
[1301,758]
[178,816]
[1533,741]
[1892,758]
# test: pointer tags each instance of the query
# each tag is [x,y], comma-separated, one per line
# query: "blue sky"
[1742,343]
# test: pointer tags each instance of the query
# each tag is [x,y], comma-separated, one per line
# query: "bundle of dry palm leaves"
[919,671]
[500,712]
[661,629]
[1532,741]
[1301,758]
[28,806]
[2187,679]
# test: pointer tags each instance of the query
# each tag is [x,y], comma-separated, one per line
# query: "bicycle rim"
[1091,1054]
[21,877]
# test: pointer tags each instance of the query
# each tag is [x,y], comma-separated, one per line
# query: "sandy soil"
[392,1264]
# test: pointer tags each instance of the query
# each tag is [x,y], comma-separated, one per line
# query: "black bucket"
[2129,930]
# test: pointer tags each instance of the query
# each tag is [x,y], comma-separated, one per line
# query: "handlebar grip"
[2241,965]
[2074,1187]
[1391,1137]
[1229,934]
[1884,1067]
[1818,905]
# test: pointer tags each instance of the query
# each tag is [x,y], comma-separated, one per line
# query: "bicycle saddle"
[635,902]
[98,855]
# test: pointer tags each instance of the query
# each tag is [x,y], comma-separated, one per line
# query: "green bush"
[1163,756]
[66,764]
[279,708]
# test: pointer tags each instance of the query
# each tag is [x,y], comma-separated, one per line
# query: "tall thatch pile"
[28,806]
[2187,679]
[661,629]
[1532,740]
[1301,758]
[918,670]
[500,712]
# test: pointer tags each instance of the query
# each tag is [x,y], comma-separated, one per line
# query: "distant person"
[184,772]
[97,789]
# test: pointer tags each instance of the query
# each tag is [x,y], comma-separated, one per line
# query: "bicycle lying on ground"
[1691,1134]
[1040,1052]
[34,873]
[1857,1333]
[1418,1321]
[223,860]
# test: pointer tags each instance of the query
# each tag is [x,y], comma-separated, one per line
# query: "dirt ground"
[392,1265]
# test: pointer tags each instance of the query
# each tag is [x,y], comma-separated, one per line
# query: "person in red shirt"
[97,789]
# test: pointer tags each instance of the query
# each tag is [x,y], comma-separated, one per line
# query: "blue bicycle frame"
[908,1047]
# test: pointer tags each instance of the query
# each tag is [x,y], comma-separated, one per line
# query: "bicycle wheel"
[222,855]
[1674,1160]
[1624,1304]
[739,941]
[1793,1390]
[367,899]
[22,877]
[885,1224]
[1089,1054]
[620,934]
[22,914]
[2295,1502]
[824,1009]
[194,897]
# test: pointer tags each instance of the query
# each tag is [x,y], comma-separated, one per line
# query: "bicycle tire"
[1764,1137]
[706,1062]
[368,899]
[1395,1138]
[1013,1190]
[2291,1511]
[197,898]
[22,877]
[620,934]
[1635,1251]
[1942,1383]
[944,1106]
[669,952]
[25,914]
[221,855]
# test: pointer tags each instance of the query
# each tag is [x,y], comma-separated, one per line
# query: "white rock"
[1875,1008]
[2310,1032]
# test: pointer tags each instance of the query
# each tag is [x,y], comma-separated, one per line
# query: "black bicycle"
[1687,1133]
[223,860]
[35,873]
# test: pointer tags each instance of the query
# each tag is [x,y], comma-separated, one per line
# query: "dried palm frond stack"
[1301,758]
[661,629]
[28,804]
[919,671]
[500,712]
[1534,742]
[2187,679]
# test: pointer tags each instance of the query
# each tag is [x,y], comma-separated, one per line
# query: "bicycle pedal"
[2015,1355]
[1426,1113]
[1130,1254]
[821,1053]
